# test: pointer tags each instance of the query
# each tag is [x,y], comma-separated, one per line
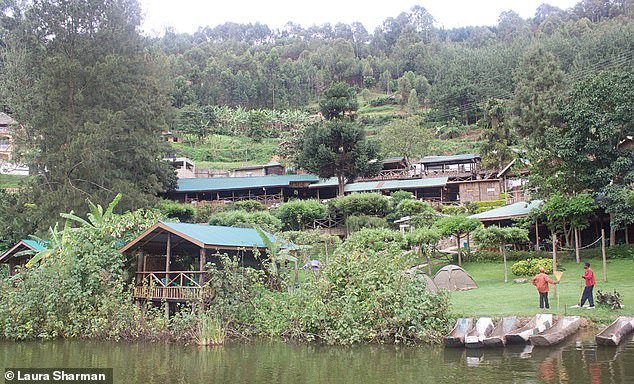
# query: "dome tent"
[454,278]
[416,272]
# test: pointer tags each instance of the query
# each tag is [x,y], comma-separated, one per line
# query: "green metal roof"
[219,235]
[231,183]
[449,159]
[34,245]
[384,185]
[510,211]
[396,184]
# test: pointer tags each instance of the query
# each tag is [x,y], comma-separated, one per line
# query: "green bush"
[373,240]
[249,206]
[531,267]
[383,100]
[297,214]
[358,222]
[203,213]
[365,297]
[488,205]
[246,219]
[361,203]
[174,210]
[454,209]
[413,207]
[397,196]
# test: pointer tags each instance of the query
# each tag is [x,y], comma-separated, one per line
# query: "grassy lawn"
[495,298]
[12,181]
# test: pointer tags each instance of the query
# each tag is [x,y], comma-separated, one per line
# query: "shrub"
[413,207]
[454,210]
[356,223]
[249,206]
[175,210]
[358,203]
[246,219]
[373,240]
[365,297]
[383,100]
[398,196]
[531,267]
[296,214]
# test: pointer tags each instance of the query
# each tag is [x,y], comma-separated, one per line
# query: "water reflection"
[576,361]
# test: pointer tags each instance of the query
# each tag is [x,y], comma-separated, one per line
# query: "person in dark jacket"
[541,281]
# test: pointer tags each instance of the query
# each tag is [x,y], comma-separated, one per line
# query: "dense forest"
[454,71]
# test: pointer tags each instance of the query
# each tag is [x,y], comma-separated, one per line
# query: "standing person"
[541,281]
[587,291]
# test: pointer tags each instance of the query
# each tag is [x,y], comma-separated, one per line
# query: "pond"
[578,360]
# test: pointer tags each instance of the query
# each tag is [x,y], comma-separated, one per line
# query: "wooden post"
[554,253]
[203,261]
[605,265]
[167,258]
[536,234]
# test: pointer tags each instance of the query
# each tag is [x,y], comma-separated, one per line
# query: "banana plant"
[97,218]
[56,242]
[276,254]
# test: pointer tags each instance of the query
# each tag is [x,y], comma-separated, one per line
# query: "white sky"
[189,15]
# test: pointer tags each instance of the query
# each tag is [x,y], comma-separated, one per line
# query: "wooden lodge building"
[171,258]
[14,260]
[436,179]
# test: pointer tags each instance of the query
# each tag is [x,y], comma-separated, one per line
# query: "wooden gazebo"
[171,258]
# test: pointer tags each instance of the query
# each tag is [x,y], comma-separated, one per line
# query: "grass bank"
[495,298]
[12,181]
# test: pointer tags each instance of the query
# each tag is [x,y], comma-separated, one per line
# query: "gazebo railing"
[172,285]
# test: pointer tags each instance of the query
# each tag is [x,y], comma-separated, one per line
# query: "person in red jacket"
[541,281]
[590,283]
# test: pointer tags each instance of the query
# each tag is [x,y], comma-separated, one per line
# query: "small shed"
[11,258]
[454,278]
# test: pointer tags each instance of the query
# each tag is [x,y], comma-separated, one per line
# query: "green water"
[577,361]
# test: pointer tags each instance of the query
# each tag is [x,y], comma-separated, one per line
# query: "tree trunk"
[341,185]
[627,235]
[612,233]
[468,245]
[577,245]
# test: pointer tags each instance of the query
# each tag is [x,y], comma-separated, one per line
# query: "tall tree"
[338,146]
[538,89]
[406,137]
[91,106]
[496,135]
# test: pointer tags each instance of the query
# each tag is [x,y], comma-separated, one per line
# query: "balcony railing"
[173,285]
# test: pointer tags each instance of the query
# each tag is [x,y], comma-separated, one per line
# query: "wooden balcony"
[172,286]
